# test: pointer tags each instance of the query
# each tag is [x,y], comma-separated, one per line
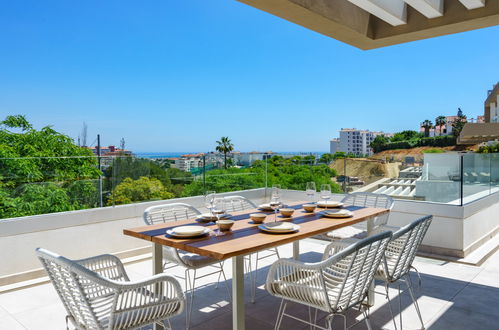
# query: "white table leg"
[370,294]
[157,268]
[238,312]
[296,250]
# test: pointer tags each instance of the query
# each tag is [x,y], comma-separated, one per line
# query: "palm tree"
[225,146]
[440,121]
[427,124]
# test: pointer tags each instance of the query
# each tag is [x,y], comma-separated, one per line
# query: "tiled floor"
[453,296]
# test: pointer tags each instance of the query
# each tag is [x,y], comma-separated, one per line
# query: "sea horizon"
[172,154]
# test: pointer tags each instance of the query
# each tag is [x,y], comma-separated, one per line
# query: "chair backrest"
[403,246]
[349,273]
[365,199]
[238,203]
[169,212]
[85,295]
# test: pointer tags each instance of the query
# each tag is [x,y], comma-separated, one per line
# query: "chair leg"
[192,285]
[400,308]
[390,305]
[222,273]
[280,315]
[365,311]
[414,301]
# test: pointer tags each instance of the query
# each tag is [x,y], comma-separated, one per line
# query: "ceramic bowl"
[258,217]
[225,225]
[287,212]
[309,207]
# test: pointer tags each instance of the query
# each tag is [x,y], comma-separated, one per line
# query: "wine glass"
[325,193]
[275,202]
[209,198]
[311,190]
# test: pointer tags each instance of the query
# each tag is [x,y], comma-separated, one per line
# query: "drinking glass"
[209,199]
[325,193]
[311,190]
[275,203]
[219,207]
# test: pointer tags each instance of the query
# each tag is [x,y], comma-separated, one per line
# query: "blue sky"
[177,75]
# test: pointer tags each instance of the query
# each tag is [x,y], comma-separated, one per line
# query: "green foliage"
[378,143]
[406,135]
[225,146]
[142,189]
[458,124]
[433,151]
[437,141]
[489,149]
[326,158]
[290,173]
[427,124]
[37,167]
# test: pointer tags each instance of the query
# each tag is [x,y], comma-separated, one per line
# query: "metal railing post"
[462,178]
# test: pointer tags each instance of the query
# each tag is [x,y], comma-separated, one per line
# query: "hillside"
[367,170]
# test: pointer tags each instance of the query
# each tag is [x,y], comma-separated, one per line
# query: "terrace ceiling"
[369,24]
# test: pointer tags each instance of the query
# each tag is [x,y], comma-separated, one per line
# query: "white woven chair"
[333,285]
[98,294]
[240,203]
[359,231]
[399,256]
[173,257]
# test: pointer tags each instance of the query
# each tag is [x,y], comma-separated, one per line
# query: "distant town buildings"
[354,141]
[248,158]
[447,129]
[110,151]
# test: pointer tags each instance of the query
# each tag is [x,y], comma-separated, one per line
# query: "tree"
[142,189]
[405,136]
[326,158]
[427,125]
[38,167]
[225,146]
[458,123]
[122,144]
[378,142]
[440,121]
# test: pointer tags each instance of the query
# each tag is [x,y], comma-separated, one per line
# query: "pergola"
[369,24]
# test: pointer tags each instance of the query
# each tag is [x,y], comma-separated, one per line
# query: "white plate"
[279,227]
[329,204]
[337,213]
[187,231]
[265,207]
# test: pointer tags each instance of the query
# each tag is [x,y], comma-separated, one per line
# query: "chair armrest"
[154,298]
[106,265]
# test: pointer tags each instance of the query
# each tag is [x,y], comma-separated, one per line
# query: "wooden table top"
[245,237]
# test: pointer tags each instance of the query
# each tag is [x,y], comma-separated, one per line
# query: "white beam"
[473,4]
[393,12]
[429,8]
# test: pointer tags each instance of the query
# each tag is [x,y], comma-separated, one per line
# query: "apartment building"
[354,141]
[492,105]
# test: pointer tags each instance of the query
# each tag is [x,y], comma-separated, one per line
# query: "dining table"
[246,238]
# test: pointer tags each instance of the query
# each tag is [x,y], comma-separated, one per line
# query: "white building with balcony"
[354,141]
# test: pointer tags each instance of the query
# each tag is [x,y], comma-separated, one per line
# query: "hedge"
[437,141]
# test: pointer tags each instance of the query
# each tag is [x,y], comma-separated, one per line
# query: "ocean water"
[178,154]
[161,154]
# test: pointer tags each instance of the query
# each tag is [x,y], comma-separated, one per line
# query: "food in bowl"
[287,212]
[225,225]
[309,207]
[258,217]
